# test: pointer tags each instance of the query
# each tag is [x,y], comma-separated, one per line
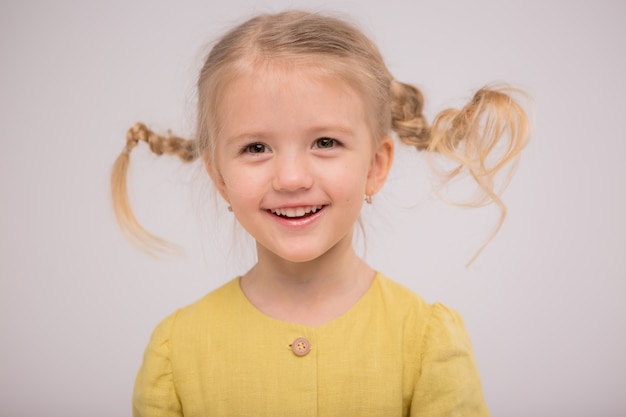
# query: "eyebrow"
[261,134]
[333,128]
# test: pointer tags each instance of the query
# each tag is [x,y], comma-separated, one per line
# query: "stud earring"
[368,198]
[230,208]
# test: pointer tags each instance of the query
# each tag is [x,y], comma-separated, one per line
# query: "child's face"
[294,159]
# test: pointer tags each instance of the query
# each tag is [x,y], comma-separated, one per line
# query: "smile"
[296,212]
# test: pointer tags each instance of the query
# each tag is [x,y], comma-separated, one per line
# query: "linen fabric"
[391,354]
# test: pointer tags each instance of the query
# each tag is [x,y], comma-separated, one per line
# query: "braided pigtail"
[134,232]
[482,138]
[407,119]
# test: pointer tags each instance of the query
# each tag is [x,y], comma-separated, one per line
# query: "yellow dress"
[391,354]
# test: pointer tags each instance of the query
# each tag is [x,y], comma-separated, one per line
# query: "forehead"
[283,97]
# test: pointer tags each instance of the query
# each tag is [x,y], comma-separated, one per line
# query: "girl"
[294,115]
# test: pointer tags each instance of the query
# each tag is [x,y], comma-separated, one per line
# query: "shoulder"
[217,299]
[401,299]
[213,307]
[438,354]
[433,321]
[392,289]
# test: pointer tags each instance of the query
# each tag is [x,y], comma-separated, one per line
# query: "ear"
[381,164]
[216,177]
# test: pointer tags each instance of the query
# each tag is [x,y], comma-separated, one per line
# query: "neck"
[310,292]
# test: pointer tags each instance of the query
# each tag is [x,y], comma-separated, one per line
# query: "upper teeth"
[296,211]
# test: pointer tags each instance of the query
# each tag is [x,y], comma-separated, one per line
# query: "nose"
[292,173]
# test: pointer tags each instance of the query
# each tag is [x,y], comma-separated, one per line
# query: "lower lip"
[296,223]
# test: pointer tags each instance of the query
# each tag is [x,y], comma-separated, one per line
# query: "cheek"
[242,185]
[350,181]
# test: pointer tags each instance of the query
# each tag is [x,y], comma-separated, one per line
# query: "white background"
[544,304]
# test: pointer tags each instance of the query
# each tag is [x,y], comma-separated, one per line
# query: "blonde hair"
[467,136]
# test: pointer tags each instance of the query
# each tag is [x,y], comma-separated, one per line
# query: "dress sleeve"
[154,394]
[448,384]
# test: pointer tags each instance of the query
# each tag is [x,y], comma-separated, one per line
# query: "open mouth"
[296,212]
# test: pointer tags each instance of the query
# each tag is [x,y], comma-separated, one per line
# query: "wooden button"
[301,346]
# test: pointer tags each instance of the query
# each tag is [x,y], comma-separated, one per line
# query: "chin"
[310,250]
[300,256]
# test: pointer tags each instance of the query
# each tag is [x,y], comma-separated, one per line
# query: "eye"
[325,143]
[255,148]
